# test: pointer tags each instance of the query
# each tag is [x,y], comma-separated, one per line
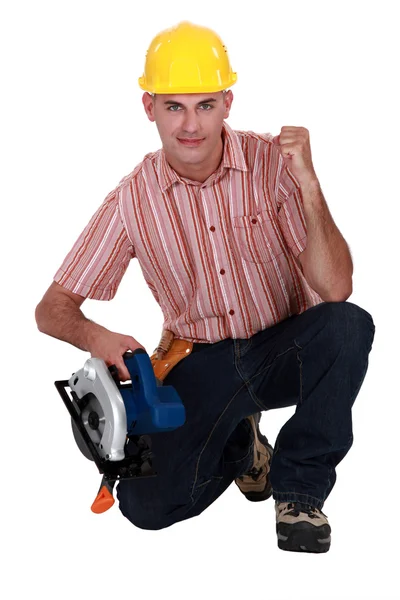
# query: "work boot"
[255,484]
[301,527]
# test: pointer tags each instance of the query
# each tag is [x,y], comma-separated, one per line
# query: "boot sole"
[259,496]
[303,537]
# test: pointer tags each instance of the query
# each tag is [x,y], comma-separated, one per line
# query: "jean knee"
[355,311]
[351,325]
[147,511]
[150,524]
[142,518]
[359,322]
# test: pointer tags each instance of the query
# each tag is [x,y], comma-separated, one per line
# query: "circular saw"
[112,421]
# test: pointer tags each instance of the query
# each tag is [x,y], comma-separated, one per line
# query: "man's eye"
[173,106]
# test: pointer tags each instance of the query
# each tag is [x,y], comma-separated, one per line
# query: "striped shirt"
[218,256]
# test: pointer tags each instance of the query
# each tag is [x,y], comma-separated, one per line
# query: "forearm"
[328,266]
[64,320]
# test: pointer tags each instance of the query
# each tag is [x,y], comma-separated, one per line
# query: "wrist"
[91,332]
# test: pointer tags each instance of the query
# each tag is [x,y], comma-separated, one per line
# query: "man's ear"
[148,103]
[228,103]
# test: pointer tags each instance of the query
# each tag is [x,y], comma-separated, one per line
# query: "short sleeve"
[291,216]
[100,256]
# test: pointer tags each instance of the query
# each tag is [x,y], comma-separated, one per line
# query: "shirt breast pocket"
[257,237]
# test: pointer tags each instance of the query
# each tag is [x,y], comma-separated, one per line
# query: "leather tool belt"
[168,353]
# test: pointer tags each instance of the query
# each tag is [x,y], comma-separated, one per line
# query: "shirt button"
[222,271]
[231,312]
[212,228]
[254,221]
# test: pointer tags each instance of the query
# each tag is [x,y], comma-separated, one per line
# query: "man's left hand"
[294,145]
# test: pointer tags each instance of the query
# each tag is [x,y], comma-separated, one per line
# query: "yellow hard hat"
[187,59]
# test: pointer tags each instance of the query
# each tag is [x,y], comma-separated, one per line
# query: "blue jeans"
[316,360]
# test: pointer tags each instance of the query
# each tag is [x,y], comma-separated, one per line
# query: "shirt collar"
[232,158]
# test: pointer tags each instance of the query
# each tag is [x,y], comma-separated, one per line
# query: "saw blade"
[93,420]
[80,441]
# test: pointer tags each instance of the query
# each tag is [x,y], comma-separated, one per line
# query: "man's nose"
[191,121]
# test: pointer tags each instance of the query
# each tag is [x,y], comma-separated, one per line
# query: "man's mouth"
[191,142]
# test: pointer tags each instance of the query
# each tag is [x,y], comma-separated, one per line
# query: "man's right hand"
[58,314]
[110,347]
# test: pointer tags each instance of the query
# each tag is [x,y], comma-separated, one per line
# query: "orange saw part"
[103,501]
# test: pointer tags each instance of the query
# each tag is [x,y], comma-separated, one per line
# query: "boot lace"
[295,508]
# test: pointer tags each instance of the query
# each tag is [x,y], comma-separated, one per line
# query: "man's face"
[189,124]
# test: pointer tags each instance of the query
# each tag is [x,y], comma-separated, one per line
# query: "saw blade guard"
[105,404]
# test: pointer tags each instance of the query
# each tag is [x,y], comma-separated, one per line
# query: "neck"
[200,171]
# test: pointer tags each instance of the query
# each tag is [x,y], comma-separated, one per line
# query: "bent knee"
[352,311]
[352,326]
[145,519]
[149,513]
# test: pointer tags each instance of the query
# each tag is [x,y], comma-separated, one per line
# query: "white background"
[72,126]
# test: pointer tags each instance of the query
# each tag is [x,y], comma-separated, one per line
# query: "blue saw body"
[149,407]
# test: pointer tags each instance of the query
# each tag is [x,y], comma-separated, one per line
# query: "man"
[238,247]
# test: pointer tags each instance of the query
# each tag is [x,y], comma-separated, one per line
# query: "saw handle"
[113,368]
[114,374]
